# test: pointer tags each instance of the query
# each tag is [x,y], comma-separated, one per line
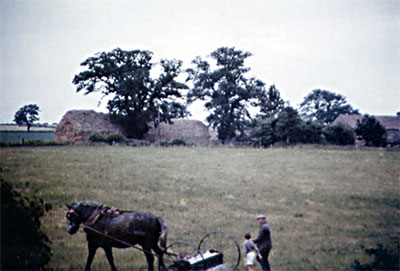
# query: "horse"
[107,227]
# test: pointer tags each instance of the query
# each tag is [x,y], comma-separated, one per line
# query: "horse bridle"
[71,213]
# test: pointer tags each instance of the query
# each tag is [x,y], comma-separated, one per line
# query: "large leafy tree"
[371,131]
[325,106]
[136,97]
[286,127]
[270,103]
[27,115]
[226,90]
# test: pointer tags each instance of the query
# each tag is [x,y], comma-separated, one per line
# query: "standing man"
[263,241]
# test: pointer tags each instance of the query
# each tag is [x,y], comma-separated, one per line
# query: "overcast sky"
[349,47]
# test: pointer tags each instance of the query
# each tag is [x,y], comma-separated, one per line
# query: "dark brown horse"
[106,227]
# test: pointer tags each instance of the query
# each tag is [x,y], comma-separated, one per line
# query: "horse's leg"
[160,255]
[92,251]
[110,258]
[149,258]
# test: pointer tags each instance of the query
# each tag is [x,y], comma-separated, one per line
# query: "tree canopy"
[325,106]
[136,97]
[226,90]
[371,131]
[27,115]
[270,103]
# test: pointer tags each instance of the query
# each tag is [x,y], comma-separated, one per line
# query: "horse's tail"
[164,233]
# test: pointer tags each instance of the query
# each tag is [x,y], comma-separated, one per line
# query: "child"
[250,252]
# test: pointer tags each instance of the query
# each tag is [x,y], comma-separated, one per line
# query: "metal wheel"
[182,255]
[226,244]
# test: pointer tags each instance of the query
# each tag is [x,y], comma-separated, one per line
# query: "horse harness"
[109,214]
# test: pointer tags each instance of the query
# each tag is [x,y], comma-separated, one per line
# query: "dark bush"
[178,142]
[263,133]
[23,245]
[175,142]
[115,138]
[383,259]
[339,135]
[310,132]
[97,138]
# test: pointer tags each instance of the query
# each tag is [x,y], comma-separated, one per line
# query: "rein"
[95,215]
[124,242]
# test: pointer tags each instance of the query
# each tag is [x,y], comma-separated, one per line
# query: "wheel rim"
[226,244]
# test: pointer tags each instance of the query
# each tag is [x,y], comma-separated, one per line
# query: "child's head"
[247,235]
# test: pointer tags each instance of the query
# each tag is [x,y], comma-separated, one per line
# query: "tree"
[371,131]
[27,115]
[287,126]
[310,132]
[137,98]
[263,132]
[226,90]
[325,106]
[270,103]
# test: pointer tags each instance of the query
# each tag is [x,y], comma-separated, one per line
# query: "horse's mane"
[92,204]
[87,204]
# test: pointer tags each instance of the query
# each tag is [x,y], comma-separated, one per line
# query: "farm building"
[391,124]
[78,125]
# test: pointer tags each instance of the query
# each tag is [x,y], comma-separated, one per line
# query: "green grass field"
[324,206]
[24,136]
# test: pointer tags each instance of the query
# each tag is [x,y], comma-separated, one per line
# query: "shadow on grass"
[383,259]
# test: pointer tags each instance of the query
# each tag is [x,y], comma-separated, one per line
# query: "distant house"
[391,124]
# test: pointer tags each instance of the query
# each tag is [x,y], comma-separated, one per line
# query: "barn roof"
[389,122]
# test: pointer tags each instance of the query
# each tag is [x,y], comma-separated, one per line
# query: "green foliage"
[270,103]
[114,138]
[310,132]
[178,142]
[325,106]
[27,115]
[263,133]
[371,131]
[339,135]
[383,259]
[23,245]
[97,138]
[175,142]
[137,97]
[287,126]
[226,90]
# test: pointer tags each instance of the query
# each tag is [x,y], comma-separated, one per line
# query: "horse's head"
[73,218]
[78,213]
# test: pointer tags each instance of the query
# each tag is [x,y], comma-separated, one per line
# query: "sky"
[350,47]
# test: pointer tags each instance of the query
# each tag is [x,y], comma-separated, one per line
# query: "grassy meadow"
[22,137]
[324,206]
